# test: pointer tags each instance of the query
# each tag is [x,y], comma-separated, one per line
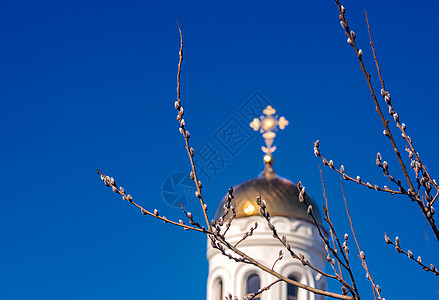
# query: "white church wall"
[303,238]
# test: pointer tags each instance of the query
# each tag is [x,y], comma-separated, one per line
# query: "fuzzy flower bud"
[331,163]
[391,111]
[271,226]
[387,98]
[258,200]
[107,180]
[353,36]
[343,24]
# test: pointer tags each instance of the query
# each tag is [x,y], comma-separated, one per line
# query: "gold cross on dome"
[267,125]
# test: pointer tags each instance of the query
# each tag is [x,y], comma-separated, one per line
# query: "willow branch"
[284,242]
[358,180]
[410,255]
[260,291]
[326,201]
[278,275]
[412,193]
[186,135]
[359,52]
[110,182]
[247,234]
[400,126]
[361,255]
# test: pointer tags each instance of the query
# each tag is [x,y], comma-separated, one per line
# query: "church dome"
[281,196]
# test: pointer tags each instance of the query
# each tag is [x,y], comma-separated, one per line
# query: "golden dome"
[281,196]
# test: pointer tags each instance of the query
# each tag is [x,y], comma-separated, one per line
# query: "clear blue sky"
[91,84]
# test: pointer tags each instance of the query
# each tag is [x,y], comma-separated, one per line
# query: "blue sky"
[91,84]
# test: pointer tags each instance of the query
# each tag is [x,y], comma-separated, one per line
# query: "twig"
[110,182]
[280,256]
[359,52]
[260,291]
[410,255]
[358,180]
[411,192]
[361,255]
[190,217]
[278,275]
[326,201]
[186,135]
[247,234]
[302,198]
[388,95]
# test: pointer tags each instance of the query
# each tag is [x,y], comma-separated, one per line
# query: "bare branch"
[360,252]
[186,135]
[358,180]
[330,232]
[278,275]
[109,181]
[247,234]
[260,291]
[411,191]
[410,255]
[281,255]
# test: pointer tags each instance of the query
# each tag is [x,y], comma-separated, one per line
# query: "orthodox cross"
[267,125]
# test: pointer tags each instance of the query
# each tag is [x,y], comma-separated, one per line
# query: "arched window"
[292,289]
[253,284]
[218,289]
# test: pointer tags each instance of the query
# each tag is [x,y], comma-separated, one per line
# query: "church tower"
[290,218]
